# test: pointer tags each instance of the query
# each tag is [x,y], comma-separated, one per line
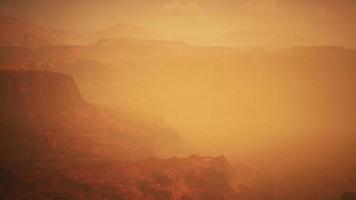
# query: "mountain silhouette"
[264,39]
[125,31]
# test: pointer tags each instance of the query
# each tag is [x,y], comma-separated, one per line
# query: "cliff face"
[37,90]
[44,118]
[47,106]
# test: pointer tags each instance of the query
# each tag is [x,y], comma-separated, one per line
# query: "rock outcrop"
[37,90]
[44,118]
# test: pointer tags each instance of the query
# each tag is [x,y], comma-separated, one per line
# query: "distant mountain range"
[264,39]
[16,32]
[126,31]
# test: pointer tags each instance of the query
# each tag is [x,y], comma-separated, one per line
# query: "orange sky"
[327,21]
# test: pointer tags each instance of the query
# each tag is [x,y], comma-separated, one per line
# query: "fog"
[270,84]
[254,99]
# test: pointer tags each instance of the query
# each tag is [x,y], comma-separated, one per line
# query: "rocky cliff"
[37,90]
[44,118]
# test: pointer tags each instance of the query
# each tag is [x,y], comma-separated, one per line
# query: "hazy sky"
[333,20]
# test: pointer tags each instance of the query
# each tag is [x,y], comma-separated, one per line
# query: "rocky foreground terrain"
[54,145]
[203,178]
